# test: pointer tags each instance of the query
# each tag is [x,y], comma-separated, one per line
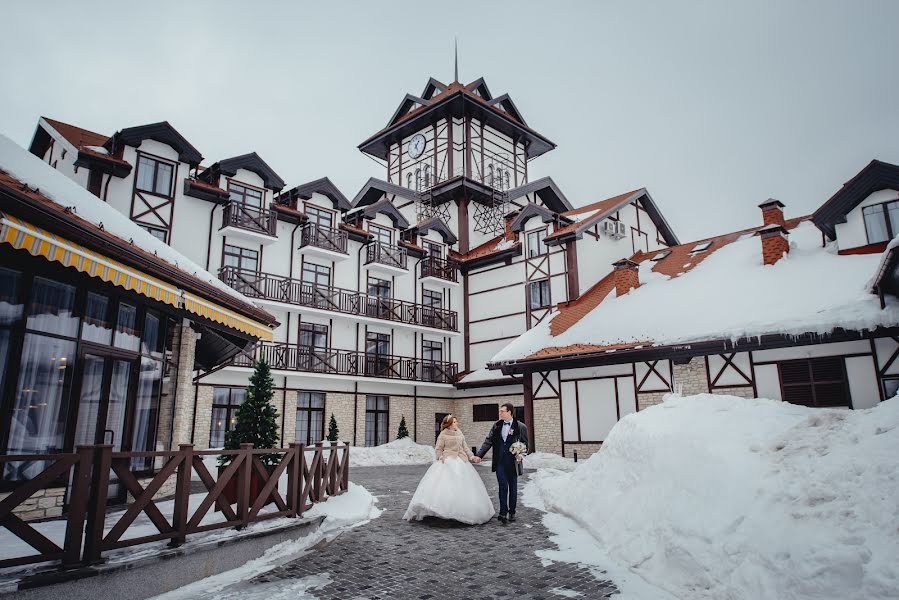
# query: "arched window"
[427,177]
[409,180]
[507,182]
[489,174]
[417,179]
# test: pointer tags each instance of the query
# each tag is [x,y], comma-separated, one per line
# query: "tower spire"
[456,73]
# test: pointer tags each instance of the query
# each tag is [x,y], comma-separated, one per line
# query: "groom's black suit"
[504,463]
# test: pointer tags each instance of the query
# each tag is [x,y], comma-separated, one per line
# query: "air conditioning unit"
[614,229]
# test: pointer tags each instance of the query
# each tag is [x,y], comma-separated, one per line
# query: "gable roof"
[323,186]
[876,176]
[532,210]
[161,132]
[76,136]
[433,224]
[250,162]
[375,188]
[384,207]
[546,189]
[585,217]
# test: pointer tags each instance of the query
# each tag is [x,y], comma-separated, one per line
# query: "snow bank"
[400,452]
[726,498]
[719,299]
[545,460]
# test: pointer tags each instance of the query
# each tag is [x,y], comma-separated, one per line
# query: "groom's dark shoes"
[502,519]
[512,517]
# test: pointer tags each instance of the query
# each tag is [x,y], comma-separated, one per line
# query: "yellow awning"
[38,242]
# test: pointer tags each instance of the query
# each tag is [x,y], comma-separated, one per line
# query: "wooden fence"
[313,474]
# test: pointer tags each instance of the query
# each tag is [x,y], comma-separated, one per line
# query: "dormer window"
[319,217]
[382,235]
[881,221]
[536,247]
[155,176]
[701,247]
[245,195]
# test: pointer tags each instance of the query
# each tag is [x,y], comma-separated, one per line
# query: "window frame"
[316,270]
[812,383]
[309,413]
[152,230]
[379,232]
[376,412]
[488,412]
[233,183]
[539,282]
[539,243]
[229,408]
[141,156]
[885,215]
[311,209]
[228,251]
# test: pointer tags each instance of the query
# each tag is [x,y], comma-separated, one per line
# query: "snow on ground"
[672,311]
[399,452]
[726,498]
[352,509]
[545,460]
[29,169]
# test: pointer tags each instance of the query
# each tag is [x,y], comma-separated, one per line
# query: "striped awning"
[39,242]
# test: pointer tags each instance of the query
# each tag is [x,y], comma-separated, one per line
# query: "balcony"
[277,288]
[439,271]
[385,258]
[249,222]
[306,359]
[325,242]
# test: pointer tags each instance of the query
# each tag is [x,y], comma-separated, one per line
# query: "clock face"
[416,145]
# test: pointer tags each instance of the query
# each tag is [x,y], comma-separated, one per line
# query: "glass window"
[160,234]
[225,402]
[126,334]
[875,223]
[381,234]
[431,350]
[241,258]
[893,218]
[146,411]
[245,195]
[310,417]
[313,335]
[154,334]
[490,175]
[432,299]
[319,216]
[155,176]
[890,388]
[376,420]
[10,303]
[318,275]
[379,288]
[95,326]
[51,308]
[536,247]
[40,402]
[409,180]
[417,179]
[538,294]
[701,247]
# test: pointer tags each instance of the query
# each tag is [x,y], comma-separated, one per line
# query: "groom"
[503,434]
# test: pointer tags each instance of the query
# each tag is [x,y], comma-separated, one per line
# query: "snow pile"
[485,374]
[399,452]
[545,460]
[720,299]
[721,497]
[31,170]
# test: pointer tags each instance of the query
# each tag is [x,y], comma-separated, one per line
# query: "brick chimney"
[774,242]
[626,277]
[772,212]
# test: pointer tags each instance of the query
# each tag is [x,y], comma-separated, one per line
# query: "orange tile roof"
[77,136]
[675,264]
[598,207]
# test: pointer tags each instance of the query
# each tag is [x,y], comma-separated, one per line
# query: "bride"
[451,488]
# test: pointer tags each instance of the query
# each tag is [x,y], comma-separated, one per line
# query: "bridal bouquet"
[518,448]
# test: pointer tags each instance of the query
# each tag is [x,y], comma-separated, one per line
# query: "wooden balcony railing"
[251,218]
[291,357]
[433,266]
[326,238]
[91,529]
[294,291]
[393,256]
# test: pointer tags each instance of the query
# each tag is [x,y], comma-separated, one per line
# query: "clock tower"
[457,148]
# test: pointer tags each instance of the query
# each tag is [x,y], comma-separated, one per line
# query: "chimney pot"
[772,212]
[626,276]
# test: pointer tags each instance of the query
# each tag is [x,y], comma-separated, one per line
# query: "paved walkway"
[391,559]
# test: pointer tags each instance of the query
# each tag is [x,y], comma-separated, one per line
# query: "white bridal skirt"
[451,490]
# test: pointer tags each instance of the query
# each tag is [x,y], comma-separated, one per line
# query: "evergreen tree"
[257,419]
[403,432]
[332,429]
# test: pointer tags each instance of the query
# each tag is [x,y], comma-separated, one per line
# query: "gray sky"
[713,106]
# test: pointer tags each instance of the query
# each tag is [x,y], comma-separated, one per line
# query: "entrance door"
[102,401]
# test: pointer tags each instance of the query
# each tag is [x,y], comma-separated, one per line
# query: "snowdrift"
[726,498]
[399,452]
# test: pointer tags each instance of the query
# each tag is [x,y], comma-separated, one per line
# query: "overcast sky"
[712,106]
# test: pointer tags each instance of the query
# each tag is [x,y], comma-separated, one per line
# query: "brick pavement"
[392,559]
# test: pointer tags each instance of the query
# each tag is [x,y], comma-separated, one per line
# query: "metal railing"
[327,238]
[292,357]
[378,252]
[293,291]
[251,218]
[442,268]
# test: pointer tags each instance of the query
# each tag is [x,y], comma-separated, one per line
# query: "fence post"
[345,483]
[294,487]
[319,471]
[96,509]
[78,499]
[244,477]
[301,483]
[182,494]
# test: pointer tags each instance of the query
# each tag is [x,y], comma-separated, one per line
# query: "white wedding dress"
[451,489]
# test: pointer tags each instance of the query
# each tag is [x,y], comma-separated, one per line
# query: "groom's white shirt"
[507,425]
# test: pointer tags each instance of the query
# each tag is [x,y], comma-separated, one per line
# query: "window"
[313,335]
[659,256]
[381,234]
[379,288]
[507,181]
[881,221]
[409,180]
[434,249]
[225,402]
[890,387]
[427,177]
[417,179]
[432,356]
[317,275]
[319,216]
[242,259]
[814,382]
[376,420]
[432,299]
[490,175]
[377,352]
[538,294]
[245,195]
[310,417]
[485,412]
[536,247]
[160,234]
[313,355]
[700,247]
[155,176]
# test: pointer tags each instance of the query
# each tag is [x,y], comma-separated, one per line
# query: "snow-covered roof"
[59,189]
[481,375]
[727,293]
